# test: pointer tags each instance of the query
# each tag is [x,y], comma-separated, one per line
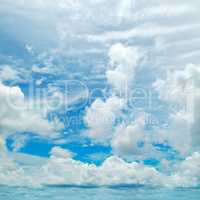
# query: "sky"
[100,92]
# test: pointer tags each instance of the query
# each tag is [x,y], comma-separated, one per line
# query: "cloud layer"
[143,56]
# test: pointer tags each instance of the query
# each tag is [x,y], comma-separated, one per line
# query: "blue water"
[71,193]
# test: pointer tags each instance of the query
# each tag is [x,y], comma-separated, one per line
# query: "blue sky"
[104,88]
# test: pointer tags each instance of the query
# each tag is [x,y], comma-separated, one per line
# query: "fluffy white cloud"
[15,117]
[113,171]
[61,169]
[7,73]
[61,153]
[182,88]
[187,173]
[131,140]
[101,116]
[10,173]
[123,64]
[180,85]
[116,171]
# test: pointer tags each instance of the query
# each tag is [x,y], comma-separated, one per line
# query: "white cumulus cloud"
[101,116]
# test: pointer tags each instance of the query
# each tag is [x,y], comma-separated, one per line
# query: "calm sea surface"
[71,193]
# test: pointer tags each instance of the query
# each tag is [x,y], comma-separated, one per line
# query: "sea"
[98,193]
